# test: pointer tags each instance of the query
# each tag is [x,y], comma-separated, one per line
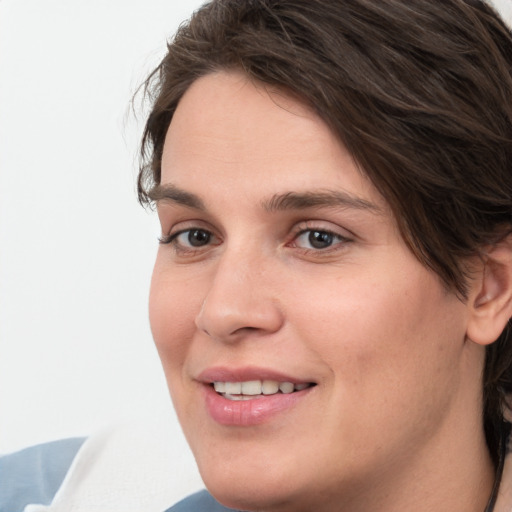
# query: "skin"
[397,401]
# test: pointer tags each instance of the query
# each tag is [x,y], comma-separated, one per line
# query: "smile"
[253,389]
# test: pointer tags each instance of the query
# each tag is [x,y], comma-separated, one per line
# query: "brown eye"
[318,239]
[197,237]
[191,238]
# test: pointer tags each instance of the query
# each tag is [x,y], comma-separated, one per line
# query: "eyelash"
[302,229]
[336,239]
[171,239]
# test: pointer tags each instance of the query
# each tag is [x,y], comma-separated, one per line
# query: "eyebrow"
[174,194]
[332,198]
[278,202]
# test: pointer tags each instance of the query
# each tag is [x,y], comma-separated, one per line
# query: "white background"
[75,248]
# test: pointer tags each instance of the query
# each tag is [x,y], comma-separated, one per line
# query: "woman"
[333,287]
[332,291]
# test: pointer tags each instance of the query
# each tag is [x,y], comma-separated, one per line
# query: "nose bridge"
[241,296]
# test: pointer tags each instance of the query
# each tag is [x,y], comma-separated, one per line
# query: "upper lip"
[244,374]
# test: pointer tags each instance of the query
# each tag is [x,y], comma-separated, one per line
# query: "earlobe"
[490,300]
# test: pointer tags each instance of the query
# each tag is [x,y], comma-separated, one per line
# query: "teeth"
[233,388]
[241,390]
[252,387]
[220,387]
[286,387]
[237,397]
[269,387]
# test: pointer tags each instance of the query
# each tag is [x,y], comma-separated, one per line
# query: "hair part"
[418,91]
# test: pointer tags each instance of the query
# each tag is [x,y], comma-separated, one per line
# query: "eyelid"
[178,226]
[186,251]
[165,239]
[320,225]
[169,238]
[339,239]
[342,238]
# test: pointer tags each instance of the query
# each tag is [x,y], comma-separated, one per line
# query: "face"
[309,355]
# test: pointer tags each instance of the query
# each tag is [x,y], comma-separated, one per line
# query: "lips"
[250,396]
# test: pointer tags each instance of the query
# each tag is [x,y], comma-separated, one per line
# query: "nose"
[240,300]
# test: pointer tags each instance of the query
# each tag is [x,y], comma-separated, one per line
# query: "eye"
[318,239]
[193,237]
[189,239]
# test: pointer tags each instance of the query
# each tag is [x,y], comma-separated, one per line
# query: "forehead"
[230,132]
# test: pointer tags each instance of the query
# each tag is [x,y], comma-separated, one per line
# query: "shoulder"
[202,501]
[34,475]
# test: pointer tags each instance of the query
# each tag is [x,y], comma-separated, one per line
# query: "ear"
[490,298]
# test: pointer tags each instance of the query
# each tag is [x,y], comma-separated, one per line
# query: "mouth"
[250,396]
[255,389]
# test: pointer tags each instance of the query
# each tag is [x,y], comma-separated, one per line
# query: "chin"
[255,486]
[254,497]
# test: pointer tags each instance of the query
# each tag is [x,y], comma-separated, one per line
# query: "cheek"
[383,332]
[392,350]
[173,306]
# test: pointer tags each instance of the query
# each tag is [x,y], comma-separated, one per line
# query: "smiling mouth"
[254,389]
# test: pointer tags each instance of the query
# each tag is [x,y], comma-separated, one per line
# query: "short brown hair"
[420,93]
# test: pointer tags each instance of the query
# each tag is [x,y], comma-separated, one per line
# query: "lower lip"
[244,413]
